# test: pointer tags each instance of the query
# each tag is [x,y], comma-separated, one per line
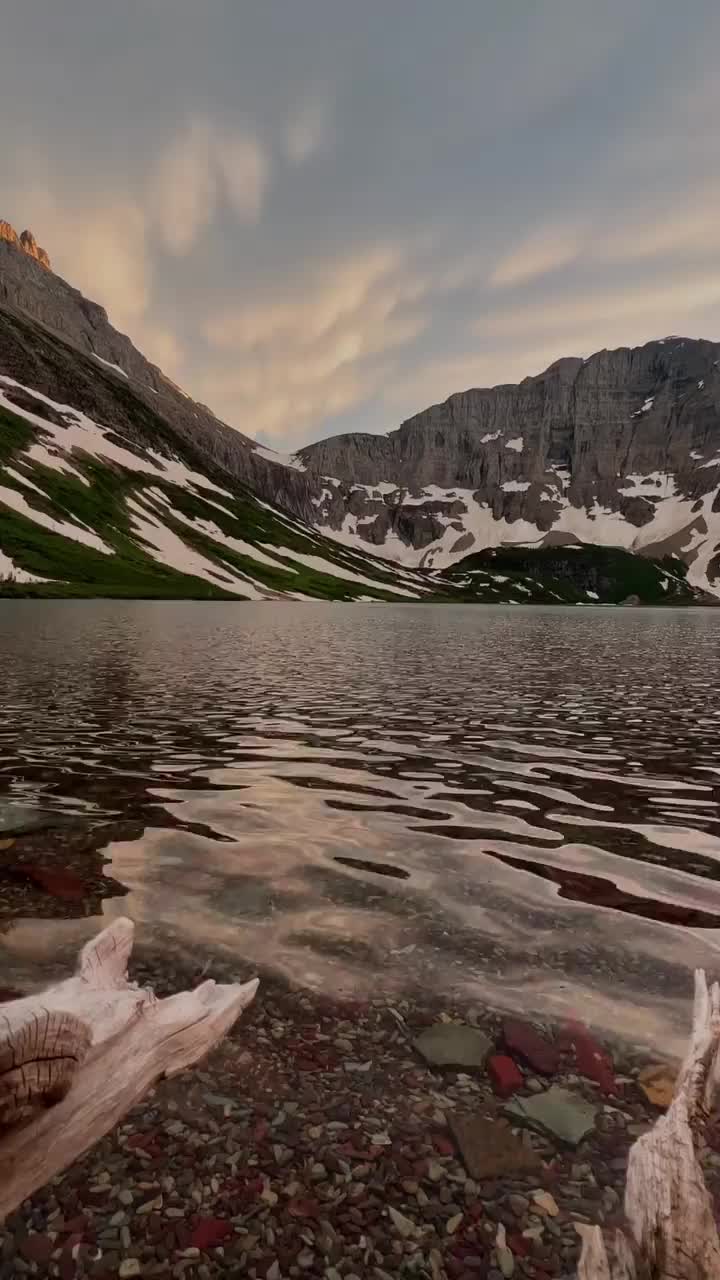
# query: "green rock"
[20,817]
[557,1112]
[452,1044]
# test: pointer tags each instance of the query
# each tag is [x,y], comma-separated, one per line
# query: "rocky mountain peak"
[32,248]
[7,232]
[25,241]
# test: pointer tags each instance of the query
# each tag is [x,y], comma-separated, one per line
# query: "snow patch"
[109,364]
[643,486]
[11,572]
[338,571]
[81,432]
[18,503]
[211,530]
[168,549]
[644,408]
[16,475]
[282,459]
[515,486]
[517,444]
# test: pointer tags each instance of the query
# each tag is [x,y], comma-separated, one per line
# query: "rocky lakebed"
[331,1139]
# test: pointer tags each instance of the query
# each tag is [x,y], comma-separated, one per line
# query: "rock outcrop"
[622,449]
[29,290]
[26,242]
[8,233]
[30,245]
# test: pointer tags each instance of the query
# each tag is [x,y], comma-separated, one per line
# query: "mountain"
[622,449]
[114,482]
[571,574]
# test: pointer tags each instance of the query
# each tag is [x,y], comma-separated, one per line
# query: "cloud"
[658,304]
[323,217]
[201,165]
[308,131]
[183,191]
[539,254]
[312,351]
[99,245]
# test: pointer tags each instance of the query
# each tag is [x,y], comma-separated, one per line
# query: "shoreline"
[316,1141]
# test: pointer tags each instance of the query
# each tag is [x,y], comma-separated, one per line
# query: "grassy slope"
[552,575]
[79,570]
[549,575]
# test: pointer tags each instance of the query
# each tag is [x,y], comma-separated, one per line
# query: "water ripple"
[497,800]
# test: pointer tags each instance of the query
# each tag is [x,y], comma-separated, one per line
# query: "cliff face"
[622,449]
[29,289]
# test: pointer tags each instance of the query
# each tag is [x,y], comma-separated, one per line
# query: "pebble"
[403,1225]
[326,1173]
[506,1261]
[546,1202]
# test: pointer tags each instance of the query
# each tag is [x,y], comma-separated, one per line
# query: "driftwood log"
[75,1058]
[670,1231]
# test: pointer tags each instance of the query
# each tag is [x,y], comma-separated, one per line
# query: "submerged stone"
[490,1149]
[592,1060]
[524,1042]
[62,884]
[658,1084]
[20,817]
[505,1075]
[452,1044]
[557,1112]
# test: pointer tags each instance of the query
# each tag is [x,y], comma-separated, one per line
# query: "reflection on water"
[521,805]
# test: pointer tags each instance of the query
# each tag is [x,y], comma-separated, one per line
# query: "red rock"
[592,1060]
[304,1207]
[209,1232]
[37,1248]
[444,1146]
[141,1140]
[526,1043]
[73,1225]
[67,1266]
[506,1077]
[65,885]
[519,1245]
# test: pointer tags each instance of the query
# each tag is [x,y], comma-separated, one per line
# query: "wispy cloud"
[200,166]
[322,217]
[309,130]
[537,255]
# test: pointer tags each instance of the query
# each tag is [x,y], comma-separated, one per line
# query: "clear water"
[541,788]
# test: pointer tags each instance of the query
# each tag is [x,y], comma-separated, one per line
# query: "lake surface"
[538,790]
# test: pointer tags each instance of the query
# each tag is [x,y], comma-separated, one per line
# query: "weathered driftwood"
[75,1058]
[670,1231]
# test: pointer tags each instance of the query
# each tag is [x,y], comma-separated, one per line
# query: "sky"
[322,215]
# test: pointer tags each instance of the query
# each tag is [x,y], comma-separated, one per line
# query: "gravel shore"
[317,1141]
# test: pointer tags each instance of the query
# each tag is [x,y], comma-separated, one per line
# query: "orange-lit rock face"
[26,241]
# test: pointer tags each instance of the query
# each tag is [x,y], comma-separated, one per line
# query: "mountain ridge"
[621,449]
[615,449]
